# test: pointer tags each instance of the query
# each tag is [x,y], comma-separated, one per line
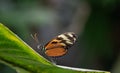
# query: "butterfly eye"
[54,42]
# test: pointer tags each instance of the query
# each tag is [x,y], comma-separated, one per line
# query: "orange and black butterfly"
[59,45]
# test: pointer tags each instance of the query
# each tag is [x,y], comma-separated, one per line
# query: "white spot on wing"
[66,39]
[71,35]
[74,39]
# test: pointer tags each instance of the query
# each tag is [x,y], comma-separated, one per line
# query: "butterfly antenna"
[35,37]
[37,41]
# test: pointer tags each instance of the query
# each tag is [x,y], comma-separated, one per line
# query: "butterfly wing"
[55,48]
[60,44]
[56,52]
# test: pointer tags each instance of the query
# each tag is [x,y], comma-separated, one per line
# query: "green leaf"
[21,57]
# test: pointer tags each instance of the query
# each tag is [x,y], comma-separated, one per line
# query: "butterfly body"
[60,44]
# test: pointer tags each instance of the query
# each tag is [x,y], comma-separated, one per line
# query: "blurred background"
[96,23]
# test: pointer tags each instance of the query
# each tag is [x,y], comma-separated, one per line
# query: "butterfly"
[59,45]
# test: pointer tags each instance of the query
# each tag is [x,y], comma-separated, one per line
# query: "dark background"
[96,23]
